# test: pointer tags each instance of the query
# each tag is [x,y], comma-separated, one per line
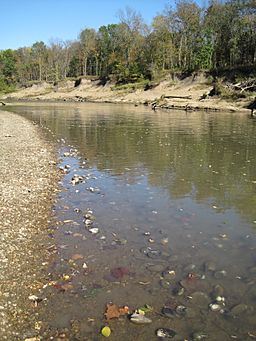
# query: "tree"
[39,53]
[88,39]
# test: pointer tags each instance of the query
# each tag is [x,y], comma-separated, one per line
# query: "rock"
[189,268]
[156,268]
[151,253]
[200,299]
[199,336]
[94,230]
[220,274]
[240,309]
[165,284]
[209,266]
[169,275]
[178,291]
[253,270]
[218,290]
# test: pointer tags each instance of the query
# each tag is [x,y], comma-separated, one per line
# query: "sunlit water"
[173,197]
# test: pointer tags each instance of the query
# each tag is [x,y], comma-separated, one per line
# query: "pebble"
[209,266]
[94,230]
[169,275]
[220,274]
[199,336]
[165,284]
[178,291]
[151,253]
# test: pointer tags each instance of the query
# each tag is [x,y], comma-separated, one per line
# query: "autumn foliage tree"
[184,37]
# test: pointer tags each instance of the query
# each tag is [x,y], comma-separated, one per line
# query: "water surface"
[173,196]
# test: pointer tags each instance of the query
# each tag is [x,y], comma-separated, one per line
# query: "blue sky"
[23,22]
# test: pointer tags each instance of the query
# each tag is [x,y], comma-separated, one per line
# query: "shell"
[215,307]
[139,319]
[165,333]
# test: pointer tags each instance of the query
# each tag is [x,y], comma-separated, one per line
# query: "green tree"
[39,54]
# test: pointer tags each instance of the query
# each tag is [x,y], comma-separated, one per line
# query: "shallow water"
[173,195]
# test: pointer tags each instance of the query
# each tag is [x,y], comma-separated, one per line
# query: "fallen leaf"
[113,311]
[77,256]
[66,286]
[119,272]
[106,331]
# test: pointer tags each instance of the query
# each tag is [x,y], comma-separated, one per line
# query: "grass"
[130,87]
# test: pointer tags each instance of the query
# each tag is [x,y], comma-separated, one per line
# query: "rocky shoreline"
[29,181]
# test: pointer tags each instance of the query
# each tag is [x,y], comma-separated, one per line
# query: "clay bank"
[195,92]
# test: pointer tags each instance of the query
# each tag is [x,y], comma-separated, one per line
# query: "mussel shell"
[139,319]
[168,312]
[165,333]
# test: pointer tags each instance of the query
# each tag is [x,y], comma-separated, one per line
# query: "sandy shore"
[28,181]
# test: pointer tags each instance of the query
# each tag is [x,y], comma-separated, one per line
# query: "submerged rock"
[240,309]
[209,266]
[218,290]
[200,299]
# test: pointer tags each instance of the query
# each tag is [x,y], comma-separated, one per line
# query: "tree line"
[185,38]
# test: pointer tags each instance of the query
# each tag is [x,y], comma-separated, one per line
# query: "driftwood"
[250,85]
[183,97]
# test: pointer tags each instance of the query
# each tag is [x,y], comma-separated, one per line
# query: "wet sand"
[28,181]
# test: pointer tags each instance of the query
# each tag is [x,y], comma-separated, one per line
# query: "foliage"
[184,38]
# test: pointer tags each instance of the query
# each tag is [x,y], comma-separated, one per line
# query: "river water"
[163,214]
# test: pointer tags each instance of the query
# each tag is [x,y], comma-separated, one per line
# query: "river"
[155,208]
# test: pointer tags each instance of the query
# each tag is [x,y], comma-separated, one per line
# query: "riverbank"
[29,178]
[190,93]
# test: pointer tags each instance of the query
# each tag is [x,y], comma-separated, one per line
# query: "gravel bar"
[28,183]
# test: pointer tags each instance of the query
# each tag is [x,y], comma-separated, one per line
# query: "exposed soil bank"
[187,94]
[28,181]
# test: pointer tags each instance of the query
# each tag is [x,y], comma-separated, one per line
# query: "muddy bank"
[28,181]
[190,93]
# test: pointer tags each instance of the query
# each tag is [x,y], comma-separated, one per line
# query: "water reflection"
[209,157]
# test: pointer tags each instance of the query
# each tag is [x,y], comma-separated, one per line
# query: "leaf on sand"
[63,287]
[119,272]
[77,256]
[113,311]
[146,308]
[106,331]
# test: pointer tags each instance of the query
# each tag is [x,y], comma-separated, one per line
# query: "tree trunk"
[40,70]
[96,66]
[180,50]
[85,66]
